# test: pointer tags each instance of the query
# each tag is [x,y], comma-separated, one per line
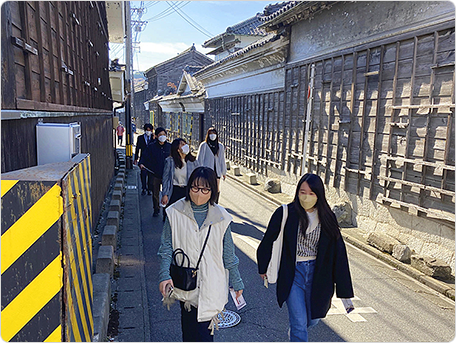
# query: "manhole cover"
[231,319]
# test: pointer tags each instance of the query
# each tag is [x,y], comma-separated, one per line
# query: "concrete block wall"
[106,257]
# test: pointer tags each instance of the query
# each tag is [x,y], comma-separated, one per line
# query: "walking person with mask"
[190,222]
[313,258]
[141,143]
[211,154]
[178,168]
[158,151]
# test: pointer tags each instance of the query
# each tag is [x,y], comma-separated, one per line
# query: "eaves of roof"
[293,11]
[259,43]
[192,48]
[248,27]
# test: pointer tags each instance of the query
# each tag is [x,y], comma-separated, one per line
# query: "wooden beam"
[421,186]
[432,213]
[51,52]
[352,117]
[407,136]
[339,147]
[363,115]
[23,9]
[375,151]
[420,162]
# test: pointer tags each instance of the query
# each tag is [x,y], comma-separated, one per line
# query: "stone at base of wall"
[431,266]
[343,214]
[272,186]
[382,241]
[402,253]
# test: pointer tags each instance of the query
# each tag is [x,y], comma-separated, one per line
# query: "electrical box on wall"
[57,142]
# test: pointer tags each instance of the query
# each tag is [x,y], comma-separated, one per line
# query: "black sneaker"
[149,192]
[143,192]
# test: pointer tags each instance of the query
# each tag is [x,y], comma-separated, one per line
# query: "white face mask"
[149,133]
[185,149]
[212,136]
[162,139]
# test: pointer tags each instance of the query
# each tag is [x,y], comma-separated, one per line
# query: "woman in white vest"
[211,154]
[186,227]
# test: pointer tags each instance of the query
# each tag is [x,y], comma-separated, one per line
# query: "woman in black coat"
[313,260]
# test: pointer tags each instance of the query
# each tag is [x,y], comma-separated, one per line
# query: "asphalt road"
[389,305]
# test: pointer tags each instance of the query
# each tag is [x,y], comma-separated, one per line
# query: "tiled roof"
[263,41]
[248,27]
[186,51]
[274,10]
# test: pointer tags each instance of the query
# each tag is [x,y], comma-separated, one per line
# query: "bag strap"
[204,246]
[179,251]
[284,216]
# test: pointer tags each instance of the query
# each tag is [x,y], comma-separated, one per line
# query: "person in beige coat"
[211,154]
[189,221]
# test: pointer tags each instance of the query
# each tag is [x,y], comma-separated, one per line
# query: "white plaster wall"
[349,24]
[242,82]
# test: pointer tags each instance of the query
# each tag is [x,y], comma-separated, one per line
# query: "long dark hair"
[214,145]
[328,220]
[175,153]
[203,176]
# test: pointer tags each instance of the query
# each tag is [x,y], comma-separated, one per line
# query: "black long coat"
[141,145]
[331,265]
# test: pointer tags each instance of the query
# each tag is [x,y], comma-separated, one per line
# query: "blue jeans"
[298,302]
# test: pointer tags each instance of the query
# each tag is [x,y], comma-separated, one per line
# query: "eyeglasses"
[195,189]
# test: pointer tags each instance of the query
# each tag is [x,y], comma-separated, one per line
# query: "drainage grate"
[231,319]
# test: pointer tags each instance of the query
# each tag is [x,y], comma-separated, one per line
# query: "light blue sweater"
[230,260]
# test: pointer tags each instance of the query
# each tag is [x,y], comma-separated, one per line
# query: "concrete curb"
[435,284]
[106,258]
[101,305]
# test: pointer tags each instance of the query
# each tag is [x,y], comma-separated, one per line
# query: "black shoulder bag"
[184,278]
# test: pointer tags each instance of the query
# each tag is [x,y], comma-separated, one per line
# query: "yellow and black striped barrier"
[46,253]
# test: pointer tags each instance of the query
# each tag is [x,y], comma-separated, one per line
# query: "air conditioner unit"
[57,142]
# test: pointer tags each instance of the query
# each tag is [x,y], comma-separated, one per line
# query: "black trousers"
[192,330]
[156,183]
[146,180]
[119,140]
[178,193]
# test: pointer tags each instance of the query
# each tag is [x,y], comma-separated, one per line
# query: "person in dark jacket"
[314,258]
[154,156]
[141,143]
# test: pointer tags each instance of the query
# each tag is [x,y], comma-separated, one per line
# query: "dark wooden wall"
[382,122]
[55,56]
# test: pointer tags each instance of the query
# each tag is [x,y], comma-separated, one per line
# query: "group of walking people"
[313,260]
[167,166]
[197,237]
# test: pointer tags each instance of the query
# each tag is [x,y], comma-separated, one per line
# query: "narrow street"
[389,305]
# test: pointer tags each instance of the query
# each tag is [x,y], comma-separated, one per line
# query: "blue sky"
[167,33]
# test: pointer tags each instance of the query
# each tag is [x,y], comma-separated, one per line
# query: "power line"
[191,21]
[178,12]
[168,11]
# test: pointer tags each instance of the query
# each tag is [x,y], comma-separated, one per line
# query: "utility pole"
[129,86]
